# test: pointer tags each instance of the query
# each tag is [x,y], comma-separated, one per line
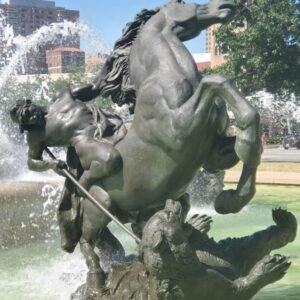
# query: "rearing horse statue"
[180,119]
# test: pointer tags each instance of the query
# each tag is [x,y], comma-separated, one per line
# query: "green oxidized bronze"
[180,125]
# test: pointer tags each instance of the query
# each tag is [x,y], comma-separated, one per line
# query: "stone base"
[125,281]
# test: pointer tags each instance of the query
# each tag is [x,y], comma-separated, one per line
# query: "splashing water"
[283,108]
[14,54]
[44,35]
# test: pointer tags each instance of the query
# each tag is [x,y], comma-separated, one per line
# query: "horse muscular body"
[177,121]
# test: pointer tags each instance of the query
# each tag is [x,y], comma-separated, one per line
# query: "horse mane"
[116,82]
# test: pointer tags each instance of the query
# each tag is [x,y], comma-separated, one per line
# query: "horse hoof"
[228,202]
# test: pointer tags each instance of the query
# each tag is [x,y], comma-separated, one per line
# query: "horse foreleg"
[232,201]
[247,145]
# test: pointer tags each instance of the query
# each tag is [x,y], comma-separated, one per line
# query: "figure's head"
[27,114]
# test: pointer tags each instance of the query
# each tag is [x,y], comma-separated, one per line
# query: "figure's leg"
[93,222]
[68,216]
[247,144]
[99,159]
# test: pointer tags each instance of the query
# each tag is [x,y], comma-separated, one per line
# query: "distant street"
[280,154]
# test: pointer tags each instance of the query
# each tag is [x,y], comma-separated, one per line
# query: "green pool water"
[41,271]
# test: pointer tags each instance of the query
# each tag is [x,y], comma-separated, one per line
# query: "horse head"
[189,19]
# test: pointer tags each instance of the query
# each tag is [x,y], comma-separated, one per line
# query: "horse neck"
[158,42]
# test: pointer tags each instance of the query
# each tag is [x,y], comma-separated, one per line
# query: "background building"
[63,60]
[203,61]
[93,62]
[27,16]
[217,58]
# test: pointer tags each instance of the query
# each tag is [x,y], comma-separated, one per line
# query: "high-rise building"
[63,60]
[27,16]
[217,58]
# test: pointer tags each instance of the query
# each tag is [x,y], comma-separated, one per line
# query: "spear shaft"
[93,200]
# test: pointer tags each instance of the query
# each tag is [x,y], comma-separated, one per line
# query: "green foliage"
[262,46]
[274,139]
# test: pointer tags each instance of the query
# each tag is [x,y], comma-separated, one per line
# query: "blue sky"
[108,17]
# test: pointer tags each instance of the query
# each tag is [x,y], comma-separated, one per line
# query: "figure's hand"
[200,223]
[58,166]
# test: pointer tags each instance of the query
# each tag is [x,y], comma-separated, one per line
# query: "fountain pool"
[39,270]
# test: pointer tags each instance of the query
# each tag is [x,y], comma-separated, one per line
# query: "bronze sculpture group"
[141,174]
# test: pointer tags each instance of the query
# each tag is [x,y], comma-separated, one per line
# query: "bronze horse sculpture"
[180,121]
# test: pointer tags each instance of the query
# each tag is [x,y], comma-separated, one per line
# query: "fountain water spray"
[13,56]
[44,35]
[284,108]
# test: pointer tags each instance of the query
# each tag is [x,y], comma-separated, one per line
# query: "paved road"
[280,154]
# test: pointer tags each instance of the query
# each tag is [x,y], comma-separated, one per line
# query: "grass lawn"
[274,167]
[286,196]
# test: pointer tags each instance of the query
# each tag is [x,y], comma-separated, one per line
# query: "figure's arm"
[35,159]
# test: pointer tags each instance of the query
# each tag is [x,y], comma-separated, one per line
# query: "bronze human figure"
[90,135]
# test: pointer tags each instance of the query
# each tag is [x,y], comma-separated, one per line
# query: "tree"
[262,46]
